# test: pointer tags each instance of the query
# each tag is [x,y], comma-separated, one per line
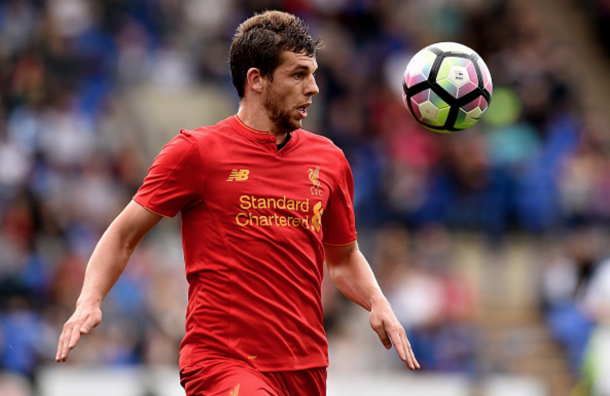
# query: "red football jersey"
[253,223]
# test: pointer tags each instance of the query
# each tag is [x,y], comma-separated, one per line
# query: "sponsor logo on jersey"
[314,174]
[316,220]
[235,392]
[257,211]
[239,175]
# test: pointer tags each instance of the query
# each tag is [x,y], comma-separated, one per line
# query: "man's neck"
[258,120]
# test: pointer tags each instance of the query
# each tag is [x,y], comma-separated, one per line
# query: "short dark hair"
[260,41]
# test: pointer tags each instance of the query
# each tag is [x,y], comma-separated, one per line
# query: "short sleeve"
[173,181]
[338,220]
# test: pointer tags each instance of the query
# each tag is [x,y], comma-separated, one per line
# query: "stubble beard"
[278,115]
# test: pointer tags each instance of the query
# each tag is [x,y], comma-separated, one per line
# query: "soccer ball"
[447,87]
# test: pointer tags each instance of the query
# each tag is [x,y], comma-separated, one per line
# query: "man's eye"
[298,75]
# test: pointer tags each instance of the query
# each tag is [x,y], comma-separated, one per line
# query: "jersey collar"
[252,134]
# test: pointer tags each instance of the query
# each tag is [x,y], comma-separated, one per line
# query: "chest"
[256,183]
[269,177]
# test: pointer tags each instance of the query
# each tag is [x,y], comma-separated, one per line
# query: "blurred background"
[491,243]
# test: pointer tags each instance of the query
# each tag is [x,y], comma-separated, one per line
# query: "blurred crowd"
[71,158]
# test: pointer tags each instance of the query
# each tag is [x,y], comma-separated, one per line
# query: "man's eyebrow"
[303,67]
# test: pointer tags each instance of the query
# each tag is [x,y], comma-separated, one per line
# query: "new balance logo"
[239,175]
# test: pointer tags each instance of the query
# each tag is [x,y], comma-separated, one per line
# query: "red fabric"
[252,240]
[233,377]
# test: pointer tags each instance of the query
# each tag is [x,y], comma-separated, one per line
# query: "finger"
[63,344]
[399,345]
[89,324]
[60,347]
[70,339]
[379,328]
[66,347]
[383,336]
[409,358]
[74,338]
[411,354]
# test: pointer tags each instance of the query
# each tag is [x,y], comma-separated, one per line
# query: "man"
[263,204]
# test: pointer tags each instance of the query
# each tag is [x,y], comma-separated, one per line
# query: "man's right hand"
[81,322]
[106,265]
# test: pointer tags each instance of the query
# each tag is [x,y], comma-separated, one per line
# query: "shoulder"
[319,142]
[192,144]
[327,152]
[307,135]
[207,132]
[205,136]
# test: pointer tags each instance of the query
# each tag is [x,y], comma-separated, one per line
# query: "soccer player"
[263,205]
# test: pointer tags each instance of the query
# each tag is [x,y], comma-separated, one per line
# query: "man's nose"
[312,87]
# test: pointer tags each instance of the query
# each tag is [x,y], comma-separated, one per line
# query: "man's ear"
[255,80]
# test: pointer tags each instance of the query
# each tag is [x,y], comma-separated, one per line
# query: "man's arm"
[352,274]
[106,264]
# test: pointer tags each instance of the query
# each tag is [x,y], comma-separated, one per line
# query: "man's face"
[289,94]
